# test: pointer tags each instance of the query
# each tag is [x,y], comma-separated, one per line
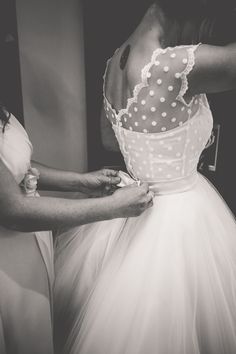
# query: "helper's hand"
[132,200]
[99,183]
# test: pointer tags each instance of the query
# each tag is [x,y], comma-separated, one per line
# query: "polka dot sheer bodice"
[160,134]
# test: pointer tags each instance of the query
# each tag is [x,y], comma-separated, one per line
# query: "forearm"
[44,213]
[57,180]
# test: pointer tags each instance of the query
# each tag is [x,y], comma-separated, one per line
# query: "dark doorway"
[224,178]
[107,24]
[10,83]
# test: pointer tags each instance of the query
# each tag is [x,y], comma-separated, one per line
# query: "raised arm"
[19,212]
[214,70]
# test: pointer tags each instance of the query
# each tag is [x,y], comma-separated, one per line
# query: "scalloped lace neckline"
[138,87]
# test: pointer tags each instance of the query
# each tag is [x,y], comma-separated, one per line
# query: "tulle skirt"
[160,283]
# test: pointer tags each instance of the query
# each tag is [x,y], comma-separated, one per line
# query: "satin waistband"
[163,187]
[171,187]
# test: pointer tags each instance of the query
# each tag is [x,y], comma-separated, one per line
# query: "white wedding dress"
[163,282]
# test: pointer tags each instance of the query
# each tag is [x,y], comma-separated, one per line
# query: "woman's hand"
[95,184]
[99,183]
[131,200]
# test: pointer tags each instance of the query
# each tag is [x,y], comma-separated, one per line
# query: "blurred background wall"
[51,48]
[10,78]
[107,23]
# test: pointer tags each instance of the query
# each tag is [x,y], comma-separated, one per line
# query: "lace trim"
[144,79]
[137,88]
[104,78]
[185,73]
[120,139]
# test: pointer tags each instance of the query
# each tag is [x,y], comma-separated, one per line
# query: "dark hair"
[4,116]
[193,8]
[212,21]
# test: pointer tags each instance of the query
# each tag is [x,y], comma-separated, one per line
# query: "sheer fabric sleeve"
[160,102]
[169,71]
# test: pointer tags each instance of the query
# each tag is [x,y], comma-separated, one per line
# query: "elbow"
[233,81]
[14,223]
[10,222]
[229,76]
[230,69]
[13,216]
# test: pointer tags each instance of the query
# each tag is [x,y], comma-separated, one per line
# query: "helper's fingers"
[106,180]
[110,173]
[111,177]
[150,195]
[145,187]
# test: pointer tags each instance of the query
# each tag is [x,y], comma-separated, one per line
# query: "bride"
[165,281]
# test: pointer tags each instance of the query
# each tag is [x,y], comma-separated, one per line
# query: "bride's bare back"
[214,71]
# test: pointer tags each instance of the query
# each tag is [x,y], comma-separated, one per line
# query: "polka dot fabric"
[158,102]
[161,135]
